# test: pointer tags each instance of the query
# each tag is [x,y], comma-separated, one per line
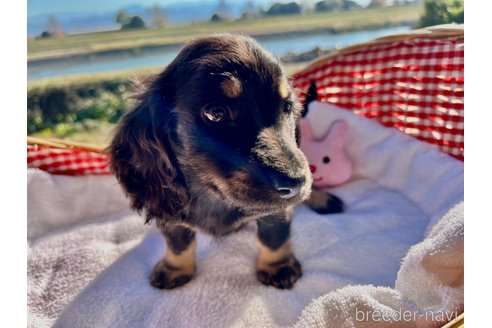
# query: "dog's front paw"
[281,274]
[166,276]
[325,203]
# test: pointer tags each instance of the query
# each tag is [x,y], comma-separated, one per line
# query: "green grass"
[90,78]
[134,39]
[99,134]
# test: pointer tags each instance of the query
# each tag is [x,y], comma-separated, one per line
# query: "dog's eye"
[288,107]
[215,114]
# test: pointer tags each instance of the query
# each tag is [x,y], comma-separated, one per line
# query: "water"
[279,46]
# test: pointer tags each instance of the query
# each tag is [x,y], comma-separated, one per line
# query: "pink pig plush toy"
[327,158]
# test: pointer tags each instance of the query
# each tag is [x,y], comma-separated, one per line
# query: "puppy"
[211,145]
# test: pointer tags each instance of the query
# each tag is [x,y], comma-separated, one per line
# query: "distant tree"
[53,28]
[158,17]
[135,22]
[377,3]
[129,22]
[290,8]
[328,5]
[333,5]
[442,12]
[350,4]
[216,18]
[320,6]
[44,35]
[123,18]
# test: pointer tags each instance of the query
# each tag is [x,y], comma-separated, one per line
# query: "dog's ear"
[142,155]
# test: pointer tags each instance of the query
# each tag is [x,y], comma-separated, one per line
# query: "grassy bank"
[65,110]
[98,135]
[136,39]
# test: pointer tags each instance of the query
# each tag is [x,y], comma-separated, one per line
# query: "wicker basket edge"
[447,31]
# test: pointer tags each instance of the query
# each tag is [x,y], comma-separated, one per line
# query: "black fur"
[273,231]
[188,172]
[311,95]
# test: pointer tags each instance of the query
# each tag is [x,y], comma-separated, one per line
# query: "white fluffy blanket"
[394,259]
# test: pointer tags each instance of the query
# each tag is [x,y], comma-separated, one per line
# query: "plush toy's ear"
[306,130]
[337,133]
[311,95]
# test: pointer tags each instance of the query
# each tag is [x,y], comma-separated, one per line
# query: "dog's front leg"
[178,265]
[277,266]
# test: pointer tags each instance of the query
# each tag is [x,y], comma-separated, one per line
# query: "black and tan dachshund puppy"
[211,145]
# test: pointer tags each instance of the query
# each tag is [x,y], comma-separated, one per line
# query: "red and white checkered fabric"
[416,86]
[67,161]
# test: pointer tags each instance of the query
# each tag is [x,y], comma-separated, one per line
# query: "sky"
[35,7]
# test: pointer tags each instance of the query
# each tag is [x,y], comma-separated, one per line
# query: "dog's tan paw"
[282,274]
[166,276]
[325,203]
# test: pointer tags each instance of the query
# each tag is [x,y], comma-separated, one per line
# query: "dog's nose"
[288,187]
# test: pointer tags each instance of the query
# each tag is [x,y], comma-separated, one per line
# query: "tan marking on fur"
[283,88]
[213,177]
[219,182]
[209,176]
[268,256]
[317,199]
[232,87]
[241,176]
[272,262]
[184,261]
[244,220]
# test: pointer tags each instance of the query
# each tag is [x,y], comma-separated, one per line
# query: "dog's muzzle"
[288,188]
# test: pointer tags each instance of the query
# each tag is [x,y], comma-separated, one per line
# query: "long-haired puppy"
[211,145]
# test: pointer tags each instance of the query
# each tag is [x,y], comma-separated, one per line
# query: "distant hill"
[84,22]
